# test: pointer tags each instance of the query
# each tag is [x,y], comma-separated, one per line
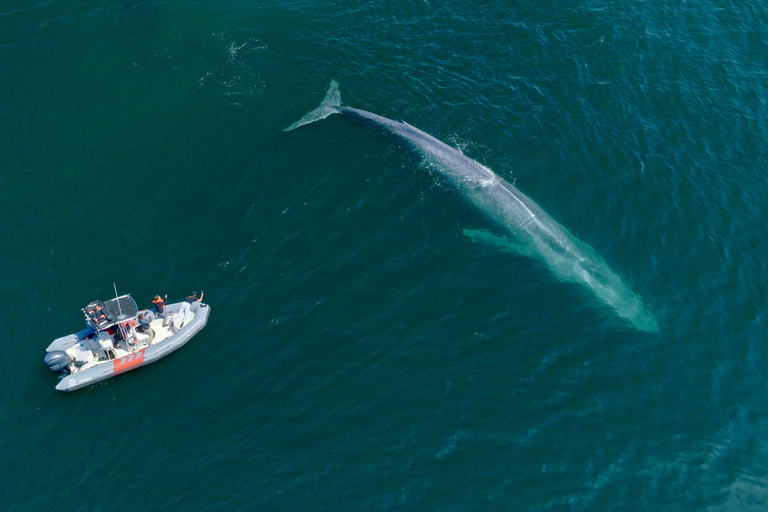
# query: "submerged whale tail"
[329,105]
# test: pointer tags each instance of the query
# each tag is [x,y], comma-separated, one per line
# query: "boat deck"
[122,348]
[142,339]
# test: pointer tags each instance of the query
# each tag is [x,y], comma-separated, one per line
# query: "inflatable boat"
[119,337]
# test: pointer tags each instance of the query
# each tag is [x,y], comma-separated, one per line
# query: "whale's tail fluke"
[329,105]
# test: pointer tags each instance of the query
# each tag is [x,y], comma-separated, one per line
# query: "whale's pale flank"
[534,233]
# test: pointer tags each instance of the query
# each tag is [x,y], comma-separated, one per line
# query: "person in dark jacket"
[144,320]
[192,297]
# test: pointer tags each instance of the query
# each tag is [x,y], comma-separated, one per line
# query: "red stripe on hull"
[125,363]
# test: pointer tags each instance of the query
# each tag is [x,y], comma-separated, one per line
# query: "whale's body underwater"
[535,233]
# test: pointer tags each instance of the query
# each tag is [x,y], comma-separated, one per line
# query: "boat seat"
[106,344]
[105,341]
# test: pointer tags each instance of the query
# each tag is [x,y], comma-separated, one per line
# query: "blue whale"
[533,232]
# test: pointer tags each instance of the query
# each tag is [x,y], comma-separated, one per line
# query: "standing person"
[160,307]
[184,314]
[160,304]
[144,320]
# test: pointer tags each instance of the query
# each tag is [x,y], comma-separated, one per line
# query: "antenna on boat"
[117,299]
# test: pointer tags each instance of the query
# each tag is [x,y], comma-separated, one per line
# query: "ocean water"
[363,353]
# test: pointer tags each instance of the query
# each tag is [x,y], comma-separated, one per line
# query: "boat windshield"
[102,315]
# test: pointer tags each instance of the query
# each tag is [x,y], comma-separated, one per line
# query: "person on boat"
[192,297]
[160,305]
[144,320]
[160,308]
[184,314]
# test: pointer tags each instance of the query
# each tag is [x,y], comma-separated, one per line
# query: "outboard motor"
[58,361]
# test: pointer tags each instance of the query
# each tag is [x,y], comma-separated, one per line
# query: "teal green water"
[363,353]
